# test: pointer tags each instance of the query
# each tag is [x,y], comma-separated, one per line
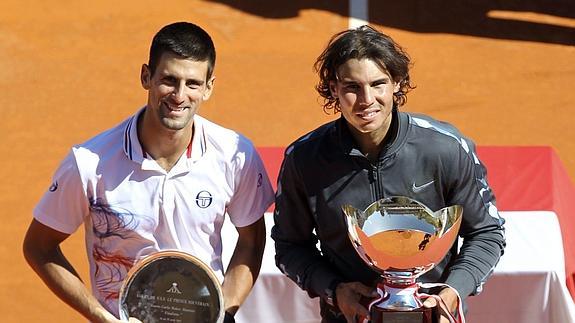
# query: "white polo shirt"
[131,207]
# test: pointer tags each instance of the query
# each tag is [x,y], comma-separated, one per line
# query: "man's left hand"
[449,297]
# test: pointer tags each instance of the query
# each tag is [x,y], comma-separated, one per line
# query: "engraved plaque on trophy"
[401,239]
[172,286]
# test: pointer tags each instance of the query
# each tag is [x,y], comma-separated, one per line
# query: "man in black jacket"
[375,151]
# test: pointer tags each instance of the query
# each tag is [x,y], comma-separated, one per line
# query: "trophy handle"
[450,216]
[357,216]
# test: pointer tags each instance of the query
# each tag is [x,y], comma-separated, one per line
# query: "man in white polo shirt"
[162,179]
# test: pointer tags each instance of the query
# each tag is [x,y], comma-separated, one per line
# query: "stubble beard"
[177,123]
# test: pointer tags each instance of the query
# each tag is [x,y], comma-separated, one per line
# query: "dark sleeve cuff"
[463,282]
[330,295]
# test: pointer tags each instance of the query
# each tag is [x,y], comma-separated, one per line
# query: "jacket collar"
[400,123]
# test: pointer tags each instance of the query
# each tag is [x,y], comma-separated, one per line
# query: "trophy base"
[421,315]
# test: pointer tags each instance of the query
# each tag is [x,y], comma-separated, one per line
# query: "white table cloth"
[527,285]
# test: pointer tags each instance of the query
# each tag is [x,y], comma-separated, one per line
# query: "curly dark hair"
[364,42]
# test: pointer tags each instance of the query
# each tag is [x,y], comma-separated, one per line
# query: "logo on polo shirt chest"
[204,199]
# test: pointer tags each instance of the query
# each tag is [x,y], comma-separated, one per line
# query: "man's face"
[176,90]
[365,94]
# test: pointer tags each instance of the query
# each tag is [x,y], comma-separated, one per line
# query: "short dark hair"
[363,42]
[186,40]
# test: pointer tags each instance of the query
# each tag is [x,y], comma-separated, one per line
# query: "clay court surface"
[70,69]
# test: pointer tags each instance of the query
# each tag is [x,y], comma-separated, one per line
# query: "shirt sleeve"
[65,205]
[253,192]
[297,255]
[481,228]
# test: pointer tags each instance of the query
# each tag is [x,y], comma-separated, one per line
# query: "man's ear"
[145,76]
[333,88]
[209,88]
[397,87]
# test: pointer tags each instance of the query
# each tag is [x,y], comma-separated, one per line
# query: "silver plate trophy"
[172,286]
[401,239]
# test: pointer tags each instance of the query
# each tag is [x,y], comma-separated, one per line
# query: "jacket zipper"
[379,184]
[376,183]
[378,190]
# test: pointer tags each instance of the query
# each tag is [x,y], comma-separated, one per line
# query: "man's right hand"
[42,251]
[348,297]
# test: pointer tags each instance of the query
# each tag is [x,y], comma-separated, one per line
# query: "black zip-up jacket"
[424,159]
